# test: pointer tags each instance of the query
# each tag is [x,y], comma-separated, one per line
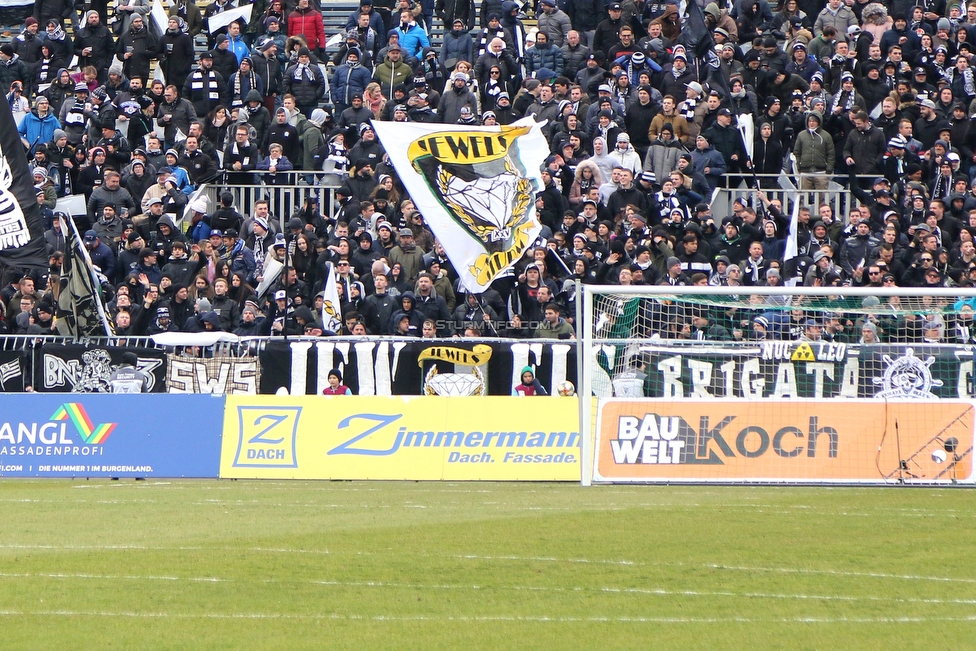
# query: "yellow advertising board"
[803,441]
[417,437]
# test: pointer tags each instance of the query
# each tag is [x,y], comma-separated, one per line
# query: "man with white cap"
[455,97]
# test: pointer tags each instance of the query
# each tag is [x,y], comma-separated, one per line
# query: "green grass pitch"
[349,565]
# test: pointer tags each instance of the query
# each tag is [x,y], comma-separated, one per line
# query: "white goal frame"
[585,315]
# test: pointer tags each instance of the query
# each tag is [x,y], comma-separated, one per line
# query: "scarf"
[968,83]
[846,97]
[302,70]
[687,109]
[252,80]
[236,149]
[941,188]
[57,34]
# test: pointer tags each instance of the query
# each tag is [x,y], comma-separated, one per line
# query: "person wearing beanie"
[349,79]
[304,80]
[336,387]
[530,386]
[38,126]
[205,86]
[128,378]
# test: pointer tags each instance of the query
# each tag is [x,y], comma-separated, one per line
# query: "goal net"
[777,384]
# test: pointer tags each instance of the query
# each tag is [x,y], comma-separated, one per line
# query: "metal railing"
[785,188]
[283,199]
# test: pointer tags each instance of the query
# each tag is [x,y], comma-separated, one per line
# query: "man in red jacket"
[307,21]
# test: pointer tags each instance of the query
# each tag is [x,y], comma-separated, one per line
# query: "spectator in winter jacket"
[176,52]
[242,82]
[12,68]
[312,138]
[457,45]
[137,48]
[241,156]
[543,55]
[94,45]
[554,23]
[392,71]
[413,39]
[708,162]
[38,126]
[307,21]
[814,151]
[349,79]
[455,98]
[837,15]
[865,146]
[205,87]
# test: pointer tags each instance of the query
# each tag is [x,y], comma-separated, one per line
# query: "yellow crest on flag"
[483,187]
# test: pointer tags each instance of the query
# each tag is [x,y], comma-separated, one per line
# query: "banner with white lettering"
[439,367]
[220,375]
[75,368]
[792,369]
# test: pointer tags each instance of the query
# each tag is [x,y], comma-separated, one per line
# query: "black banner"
[791,369]
[86,369]
[441,367]
[21,228]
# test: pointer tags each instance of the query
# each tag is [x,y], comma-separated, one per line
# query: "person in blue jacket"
[38,126]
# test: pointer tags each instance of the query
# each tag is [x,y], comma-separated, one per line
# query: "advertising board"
[105,435]
[801,441]
[399,437]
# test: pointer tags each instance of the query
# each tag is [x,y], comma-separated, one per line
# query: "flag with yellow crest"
[475,187]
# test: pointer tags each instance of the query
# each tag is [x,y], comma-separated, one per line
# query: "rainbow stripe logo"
[75,412]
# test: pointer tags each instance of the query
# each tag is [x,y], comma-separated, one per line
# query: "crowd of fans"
[643,126]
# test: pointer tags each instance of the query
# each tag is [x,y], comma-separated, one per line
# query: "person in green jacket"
[312,138]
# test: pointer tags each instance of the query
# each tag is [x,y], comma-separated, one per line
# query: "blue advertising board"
[104,435]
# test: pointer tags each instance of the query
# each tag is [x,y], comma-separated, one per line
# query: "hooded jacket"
[415,316]
[814,150]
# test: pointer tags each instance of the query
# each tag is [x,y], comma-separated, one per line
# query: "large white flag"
[792,250]
[225,18]
[475,187]
[331,308]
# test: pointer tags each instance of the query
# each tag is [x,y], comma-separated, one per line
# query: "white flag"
[225,18]
[159,17]
[792,250]
[747,127]
[331,308]
[475,187]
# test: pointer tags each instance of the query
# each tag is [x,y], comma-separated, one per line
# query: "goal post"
[805,385]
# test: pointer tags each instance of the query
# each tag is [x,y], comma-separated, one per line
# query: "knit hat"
[203,305]
[671,262]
